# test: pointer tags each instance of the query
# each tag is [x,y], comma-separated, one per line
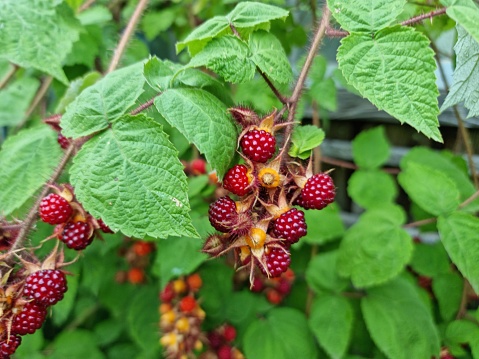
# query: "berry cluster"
[74,226]
[181,318]
[137,255]
[261,224]
[275,289]
[220,343]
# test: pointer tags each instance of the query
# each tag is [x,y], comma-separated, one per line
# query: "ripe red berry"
[187,304]
[104,227]
[77,235]
[273,296]
[54,209]
[8,347]
[215,340]
[167,294]
[142,248]
[63,141]
[284,286]
[290,226]
[237,180]
[229,333]
[136,275]
[318,192]
[46,287]
[257,285]
[258,145]
[29,319]
[277,260]
[222,214]
[198,166]
[224,352]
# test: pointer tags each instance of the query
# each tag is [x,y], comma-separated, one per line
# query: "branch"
[8,76]
[469,200]
[127,35]
[351,165]
[86,5]
[145,105]
[421,222]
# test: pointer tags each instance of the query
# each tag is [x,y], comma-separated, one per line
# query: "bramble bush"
[163,192]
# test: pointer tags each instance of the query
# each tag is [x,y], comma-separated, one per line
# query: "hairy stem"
[421,222]
[130,28]
[145,105]
[8,76]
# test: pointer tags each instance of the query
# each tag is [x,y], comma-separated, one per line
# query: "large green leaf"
[142,317]
[200,36]
[371,148]
[460,332]
[365,16]
[204,121]
[465,13]
[322,275]
[466,75]
[75,88]
[76,344]
[130,176]
[448,288]
[323,226]
[15,99]
[458,233]
[371,188]
[331,322]
[395,71]
[108,99]
[38,34]
[28,160]
[430,259]
[399,322]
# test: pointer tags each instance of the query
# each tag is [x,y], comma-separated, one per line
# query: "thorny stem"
[130,28]
[8,76]
[145,105]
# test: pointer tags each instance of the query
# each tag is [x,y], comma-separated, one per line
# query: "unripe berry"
[256,238]
[142,248]
[194,282]
[273,296]
[187,304]
[183,325]
[136,275]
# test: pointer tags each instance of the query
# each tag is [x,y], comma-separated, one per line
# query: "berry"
[284,286]
[194,282]
[63,141]
[142,248]
[29,319]
[257,285]
[54,209]
[187,304]
[198,166]
[224,352]
[273,296]
[215,340]
[104,227]
[237,180]
[222,214]
[136,275]
[77,235]
[318,192]
[277,260]
[167,294]
[46,287]
[229,333]
[258,145]
[290,226]
[9,347]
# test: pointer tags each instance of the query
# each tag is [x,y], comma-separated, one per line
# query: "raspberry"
[257,285]
[187,304]
[142,248]
[29,319]
[136,275]
[318,192]
[194,282]
[54,209]
[77,235]
[198,166]
[215,340]
[224,352]
[277,260]
[104,227]
[290,226]
[222,214]
[63,141]
[258,145]
[284,287]
[167,294]
[273,296]
[46,287]
[237,180]
[9,347]
[229,333]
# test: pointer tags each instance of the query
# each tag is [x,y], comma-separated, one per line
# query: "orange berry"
[187,304]
[183,325]
[136,275]
[194,281]
[167,318]
[168,339]
[273,296]
[256,238]
[165,307]
[179,286]
[142,248]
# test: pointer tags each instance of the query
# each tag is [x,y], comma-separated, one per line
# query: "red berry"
[215,340]
[229,333]
[29,319]
[257,285]
[46,287]
[167,294]
[136,275]
[194,282]
[54,209]
[104,227]
[237,180]
[198,166]
[290,226]
[142,248]
[187,304]
[77,235]
[63,141]
[284,286]
[224,352]
[222,214]
[9,347]
[318,192]
[277,260]
[273,296]
[258,145]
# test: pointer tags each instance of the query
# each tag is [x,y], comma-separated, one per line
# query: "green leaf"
[77,344]
[304,139]
[15,99]
[154,23]
[105,101]
[158,74]
[371,188]
[323,226]
[331,322]
[466,74]
[268,54]
[75,88]
[431,189]
[395,71]
[462,332]
[27,159]
[324,93]
[430,259]
[465,13]
[321,274]
[374,250]
[266,338]
[213,295]
[371,148]
[204,121]
[142,318]
[447,288]
[458,233]
[130,176]
[255,15]
[365,16]
[399,322]
[62,309]
[37,34]
[31,345]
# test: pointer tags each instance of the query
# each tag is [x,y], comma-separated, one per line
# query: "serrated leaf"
[331,321]
[447,288]
[158,74]
[430,259]
[371,188]
[268,54]
[399,322]
[322,275]
[28,160]
[323,226]
[458,233]
[100,104]
[130,176]
[465,13]
[304,139]
[365,16]
[248,14]
[203,120]
[374,250]
[75,88]
[430,189]
[466,75]
[395,71]
[87,48]
[154,23]
[266,338]
[15,99]
[37,34]
[371,148]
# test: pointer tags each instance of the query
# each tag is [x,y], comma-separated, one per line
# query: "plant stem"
[351,165]
[310,296]
[145,105]
[86,5]
[120,49]
[466,289]
[421,222]
[8,76]
[469,200]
